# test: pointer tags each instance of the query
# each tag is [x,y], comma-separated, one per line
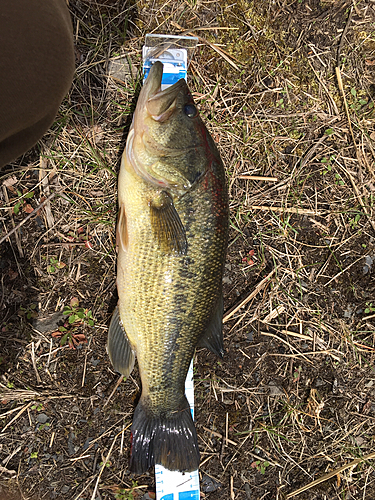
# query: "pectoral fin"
[122,229]
[120,351]
[167,226]
[213,336]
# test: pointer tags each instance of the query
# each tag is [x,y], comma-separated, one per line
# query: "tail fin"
[169,440]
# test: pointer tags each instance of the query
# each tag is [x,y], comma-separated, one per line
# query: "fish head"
[168,142]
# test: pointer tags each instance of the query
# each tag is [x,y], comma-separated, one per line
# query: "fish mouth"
[154,105]
[160,104]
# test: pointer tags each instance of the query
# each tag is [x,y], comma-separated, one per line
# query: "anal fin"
[212,339]
[120,351]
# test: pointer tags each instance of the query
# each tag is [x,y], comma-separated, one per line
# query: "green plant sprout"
[338,180]
[358,101]
[127,493]
[328,163]
[29,312]
[21,201]
[54,265]
[354,221]
[260,466]
[37,407]
[78,314]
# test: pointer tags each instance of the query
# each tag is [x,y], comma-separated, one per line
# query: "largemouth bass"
[172,238]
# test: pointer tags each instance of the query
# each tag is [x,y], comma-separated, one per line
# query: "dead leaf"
[12,274]
[74,302]
[95,133]
[80,337]
[27,208]
[10,181]
[372,136]
[367,407]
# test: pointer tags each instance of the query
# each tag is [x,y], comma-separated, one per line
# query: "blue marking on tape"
[168,78]
[188,495]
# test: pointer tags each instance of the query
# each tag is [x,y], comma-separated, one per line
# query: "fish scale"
[172,246]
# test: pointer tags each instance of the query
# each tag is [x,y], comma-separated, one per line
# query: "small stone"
[359,441]
[150,495]
[87,443]
[319,382]
[250,336]
[366,269]
[227,401]
[274,389]
[368,264]
[71,448]
[209,484]
[304,285]
[65,489]
[49,323]
[348,312]
[42,418]
[248,491]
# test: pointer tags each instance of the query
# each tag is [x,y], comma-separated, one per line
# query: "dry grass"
[290,408]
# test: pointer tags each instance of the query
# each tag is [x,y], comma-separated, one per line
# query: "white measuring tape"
[174,52]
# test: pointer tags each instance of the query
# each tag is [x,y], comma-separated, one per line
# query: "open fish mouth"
[160,104]
[154,107]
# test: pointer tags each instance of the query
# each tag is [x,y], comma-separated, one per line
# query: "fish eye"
[190,110]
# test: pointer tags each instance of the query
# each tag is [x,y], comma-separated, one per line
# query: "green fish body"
[172,238]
